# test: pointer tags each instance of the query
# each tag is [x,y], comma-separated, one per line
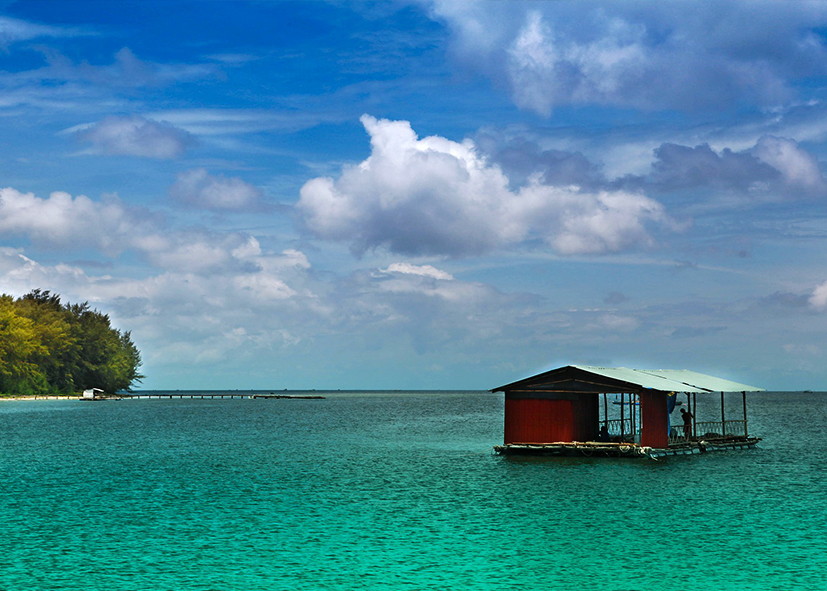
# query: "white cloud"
[543,72]
[19,274]
[242,315]
[421,270]
[573,222]
[798,167]
[195,251]
[272,317]
[136,136]
[227,122]
[818,299]
[63,221]
[198,188]
[649,55]
[427,280]
[181,316]
[436,196]
[66,224]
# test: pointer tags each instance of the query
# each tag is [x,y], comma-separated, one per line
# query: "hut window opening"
[620,417]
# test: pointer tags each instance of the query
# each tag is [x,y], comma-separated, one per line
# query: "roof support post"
[689,408]
[622,415]
[723,416]
[605,410]
[744,395]
[695,410]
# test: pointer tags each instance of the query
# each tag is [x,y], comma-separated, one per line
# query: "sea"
[394,490]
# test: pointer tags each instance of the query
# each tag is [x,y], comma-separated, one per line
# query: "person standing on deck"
[687,423]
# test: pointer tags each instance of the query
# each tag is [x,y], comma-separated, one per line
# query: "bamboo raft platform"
[624,449]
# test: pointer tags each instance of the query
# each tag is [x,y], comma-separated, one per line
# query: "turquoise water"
[393,491]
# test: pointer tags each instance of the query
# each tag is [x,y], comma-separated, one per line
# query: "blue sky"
[424,194]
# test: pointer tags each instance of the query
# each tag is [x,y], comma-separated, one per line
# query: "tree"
[57,353]
[49,347]
[19,347]
[108,359]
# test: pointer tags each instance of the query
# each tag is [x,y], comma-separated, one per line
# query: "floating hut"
[565,411]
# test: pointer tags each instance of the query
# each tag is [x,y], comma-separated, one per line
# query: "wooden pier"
[289,396]
[212,395]
[191,395]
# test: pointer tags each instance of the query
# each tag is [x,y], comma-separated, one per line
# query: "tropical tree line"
[47,347]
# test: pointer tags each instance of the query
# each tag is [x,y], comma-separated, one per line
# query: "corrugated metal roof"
[670,380]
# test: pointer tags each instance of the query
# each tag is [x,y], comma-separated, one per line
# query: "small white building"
[92,393]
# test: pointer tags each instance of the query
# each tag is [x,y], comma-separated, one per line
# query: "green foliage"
[47,347]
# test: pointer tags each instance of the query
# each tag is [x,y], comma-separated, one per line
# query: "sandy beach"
[12,398]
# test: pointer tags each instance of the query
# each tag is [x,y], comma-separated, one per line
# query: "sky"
[423,194]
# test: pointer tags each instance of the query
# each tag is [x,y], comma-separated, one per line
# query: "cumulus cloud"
[573,222]
[799,168]
[651,56]
[268,319]
[198,251]
[776,167]
[436,196]
[544,72]
[818,299]
[64,223]
[198,188]
[184,316]
[520,158]
[683,167]
[136,136]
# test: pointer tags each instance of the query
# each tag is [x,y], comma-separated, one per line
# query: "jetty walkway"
[209,395]
[202,395]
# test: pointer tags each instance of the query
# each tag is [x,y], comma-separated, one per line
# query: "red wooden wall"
[655,431]
[543,420]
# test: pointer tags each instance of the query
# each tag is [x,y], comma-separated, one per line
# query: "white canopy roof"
[670,380]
